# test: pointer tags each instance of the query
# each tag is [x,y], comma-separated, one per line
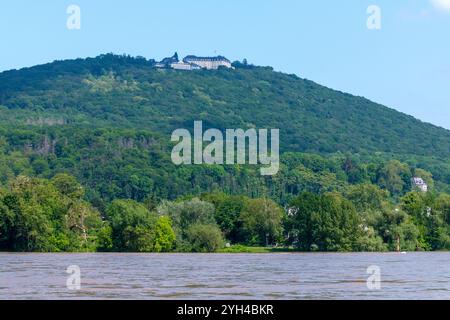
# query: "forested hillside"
[102,126]
[125,92]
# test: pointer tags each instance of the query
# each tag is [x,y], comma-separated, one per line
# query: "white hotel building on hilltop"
[210,63]
[194,63]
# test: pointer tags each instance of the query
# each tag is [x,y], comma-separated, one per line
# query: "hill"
[107,121]
[124,92]
[85,163]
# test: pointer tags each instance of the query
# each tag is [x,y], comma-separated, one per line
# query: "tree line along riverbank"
[52,215]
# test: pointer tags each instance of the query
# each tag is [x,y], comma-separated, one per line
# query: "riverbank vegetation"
[52,216]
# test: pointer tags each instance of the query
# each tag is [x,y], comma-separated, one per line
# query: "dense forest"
[52,216]
[85,164]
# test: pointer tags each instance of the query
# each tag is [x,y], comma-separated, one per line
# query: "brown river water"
[226,276]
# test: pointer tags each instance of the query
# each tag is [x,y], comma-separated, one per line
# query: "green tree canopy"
[261,221]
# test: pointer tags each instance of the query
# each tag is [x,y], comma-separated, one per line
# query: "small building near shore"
[419,183]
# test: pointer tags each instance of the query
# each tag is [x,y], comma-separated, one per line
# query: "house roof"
[195,58]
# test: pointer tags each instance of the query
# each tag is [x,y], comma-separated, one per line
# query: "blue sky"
[405,65]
